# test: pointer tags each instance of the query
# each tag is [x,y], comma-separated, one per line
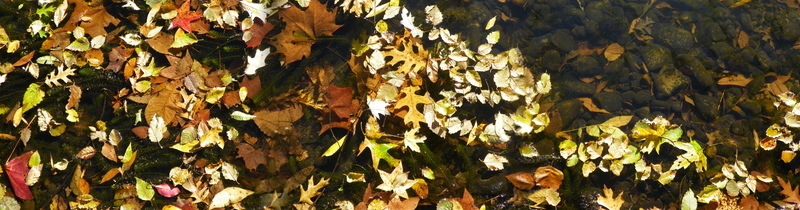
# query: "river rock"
[610,101]
[669,81]
[707,106]
[673,36]
[584,66]
[656,56]
[563,40]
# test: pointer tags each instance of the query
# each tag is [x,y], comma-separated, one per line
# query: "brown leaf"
[278,121]
[613,52]
[161,42]
[302,29]
[231,99]
[24,60]
[735,80]
[466,201]
[86,153]
[522,180]
[109,151]
[792,194]
[340,101]
[252,157]
[589,105]
[742,40]
[410,203]
[93,19]
[117,57]
[549,176]
[163,103]
[140,131]
[253,86]
[74,96]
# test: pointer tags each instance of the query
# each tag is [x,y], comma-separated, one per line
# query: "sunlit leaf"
[228,196]
[335,147]
[144,190]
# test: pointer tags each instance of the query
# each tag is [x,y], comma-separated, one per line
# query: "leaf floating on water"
[144,190]
[17,169]
[608,200]
[494,162]
[228,196]
[278,121]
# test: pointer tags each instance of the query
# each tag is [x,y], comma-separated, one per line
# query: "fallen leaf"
[613,51]
[410,99]
[312,190]
[608,200]
[17,169]
[340,101]
[742,40]
[548,176]
[278,121]
[144,190]
[494,162]
[229,196]
[185,17]
[589,105]
[167,190]
[735,80]
[252,157]
[257,32]
[522,180]
[302,30]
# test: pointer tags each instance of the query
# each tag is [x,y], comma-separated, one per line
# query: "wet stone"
[669,81]
[656,56]
[610,101]
[575,88]
[551,60]
[584,66]
[706,105]
[674,37]
[642,97]
[703,76]
[643,112]
[563,40]
[750,107]
[568,110]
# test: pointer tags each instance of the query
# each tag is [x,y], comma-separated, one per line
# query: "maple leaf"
[185,17]
[17,169]
[411,139]
[252,157]
[411,100]
[609,201]
[396,182]
[792,194]
[313,190]
[302,29]
[93,19]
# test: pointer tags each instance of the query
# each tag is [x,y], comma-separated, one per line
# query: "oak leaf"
[792,194]
[313,190]
[302,30]
[408,55]
[411,100]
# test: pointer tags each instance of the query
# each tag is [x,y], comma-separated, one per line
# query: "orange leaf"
[110,175]
[609,201]
[109,151]
[340,101]
[792,194]
[522,180]
[278,121]
[589,104]
[549,176]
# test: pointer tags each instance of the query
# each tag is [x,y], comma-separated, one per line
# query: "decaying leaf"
[302,30]
[735,80]
[613,51]
[589,105]
[312,190]
[278,121]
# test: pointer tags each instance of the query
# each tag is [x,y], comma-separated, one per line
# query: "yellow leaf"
[613,51]
[313,190]
[411,100]
[335,147]
[609,201]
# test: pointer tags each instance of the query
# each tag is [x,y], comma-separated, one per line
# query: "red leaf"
[17,169]
[185,18]
[258,31]
[167,190]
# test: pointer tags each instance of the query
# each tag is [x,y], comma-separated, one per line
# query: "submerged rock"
[673,36]
[656,56]
[610,101]
[669,81]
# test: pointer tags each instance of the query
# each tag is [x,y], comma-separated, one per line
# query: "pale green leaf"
[183,39]
[144,190]
[241,116]
[689,202]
